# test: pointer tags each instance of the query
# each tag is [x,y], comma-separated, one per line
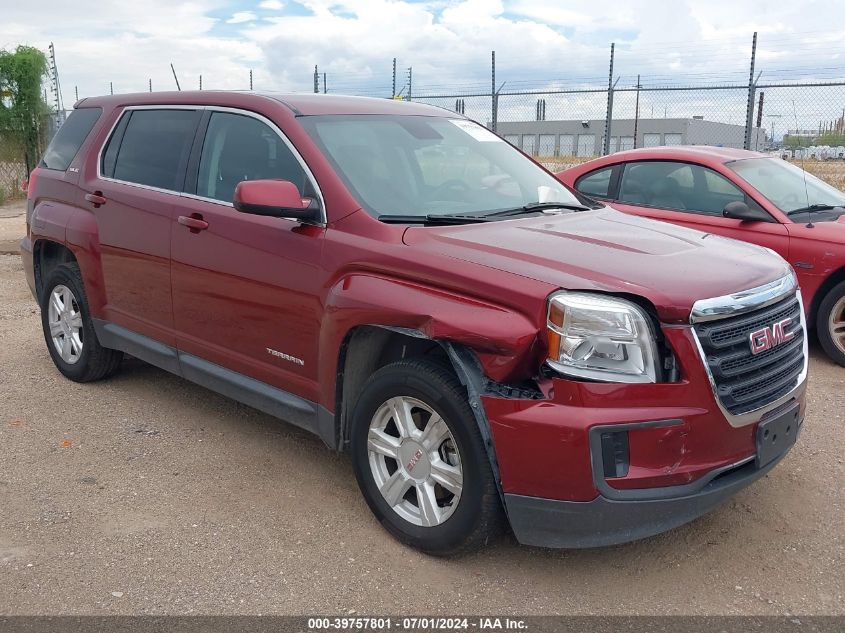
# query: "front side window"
[784,184]
[67,141]
[666,185]
[677,186]
[420,165]
[155,148]
[239,147]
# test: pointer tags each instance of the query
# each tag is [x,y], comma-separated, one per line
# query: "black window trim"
[748,198]
[202,125]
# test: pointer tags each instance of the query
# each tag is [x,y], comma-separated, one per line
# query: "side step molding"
[254,393]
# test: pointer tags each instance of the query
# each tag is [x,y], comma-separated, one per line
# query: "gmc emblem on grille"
[769,337]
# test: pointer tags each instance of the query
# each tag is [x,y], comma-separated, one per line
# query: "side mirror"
[738,210]
[276,198]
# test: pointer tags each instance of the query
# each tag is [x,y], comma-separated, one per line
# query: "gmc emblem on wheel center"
[769,337]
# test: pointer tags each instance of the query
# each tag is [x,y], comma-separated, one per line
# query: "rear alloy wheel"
[830,323]
[69,330]
[420,460]
[65,321]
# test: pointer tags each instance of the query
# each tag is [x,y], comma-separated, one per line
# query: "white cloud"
[241,17]
[448,42]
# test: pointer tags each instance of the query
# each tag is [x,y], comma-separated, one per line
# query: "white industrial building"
[586,138]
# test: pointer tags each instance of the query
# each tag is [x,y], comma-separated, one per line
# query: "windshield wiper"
[536,207]
[432,219]
[814,207]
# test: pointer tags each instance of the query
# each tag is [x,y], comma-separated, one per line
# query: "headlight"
[600,338]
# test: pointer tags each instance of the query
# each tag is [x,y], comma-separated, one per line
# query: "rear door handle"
[95,198]
[193,222]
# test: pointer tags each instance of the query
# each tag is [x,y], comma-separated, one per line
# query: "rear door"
[694,196]
[140,174]
[246,287]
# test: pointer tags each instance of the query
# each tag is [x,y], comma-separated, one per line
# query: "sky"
[538,43]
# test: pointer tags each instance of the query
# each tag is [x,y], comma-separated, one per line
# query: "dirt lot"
[147,494]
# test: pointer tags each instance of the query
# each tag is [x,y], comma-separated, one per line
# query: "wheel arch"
[47,255]
[367,348]
[832,280]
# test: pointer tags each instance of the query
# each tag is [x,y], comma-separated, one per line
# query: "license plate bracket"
[777,435]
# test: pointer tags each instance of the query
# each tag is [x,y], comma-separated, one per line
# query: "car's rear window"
[67,141]
[154,148]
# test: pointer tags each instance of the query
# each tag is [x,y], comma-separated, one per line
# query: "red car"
[744,195]
[487,345]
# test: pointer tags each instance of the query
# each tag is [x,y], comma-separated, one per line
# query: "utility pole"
[637,112]
[394,78]
[609,116]
[494,98]
[749,113]
[56,87]
[175,78]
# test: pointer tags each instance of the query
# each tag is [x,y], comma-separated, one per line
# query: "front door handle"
[95,198]
[194,222]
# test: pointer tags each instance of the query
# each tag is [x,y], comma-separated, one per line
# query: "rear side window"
[154,148]
[596,183]
[69,138]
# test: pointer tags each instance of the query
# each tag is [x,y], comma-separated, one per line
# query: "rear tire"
[69,330]
[439,492]
[830,323]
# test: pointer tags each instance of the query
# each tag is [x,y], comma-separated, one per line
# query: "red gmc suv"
[489,346]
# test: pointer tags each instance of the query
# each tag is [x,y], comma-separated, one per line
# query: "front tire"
[69,330]
[830,323]
[420,460]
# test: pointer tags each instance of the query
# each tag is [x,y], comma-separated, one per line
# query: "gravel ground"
[12,225]
[147,494]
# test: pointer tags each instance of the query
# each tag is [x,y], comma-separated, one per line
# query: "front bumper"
[603,521]
[685,457]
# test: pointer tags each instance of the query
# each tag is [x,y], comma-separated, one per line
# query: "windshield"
[419,165]
[783,184]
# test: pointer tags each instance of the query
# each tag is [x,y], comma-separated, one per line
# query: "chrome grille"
[744,381]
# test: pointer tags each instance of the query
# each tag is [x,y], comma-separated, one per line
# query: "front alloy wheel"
[420,460]
[414,461]
[830,323]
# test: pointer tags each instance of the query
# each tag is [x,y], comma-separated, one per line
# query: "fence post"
[605,150]
[410,80]
[316,79]
[394,78]
[749,112]
[494,98]
[637,112]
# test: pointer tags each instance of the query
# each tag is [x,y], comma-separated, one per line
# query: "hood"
[609,251]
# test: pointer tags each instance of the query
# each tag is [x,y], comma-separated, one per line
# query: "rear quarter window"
[70,137]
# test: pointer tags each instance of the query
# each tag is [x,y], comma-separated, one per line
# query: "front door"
[246,287]
[693,196]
